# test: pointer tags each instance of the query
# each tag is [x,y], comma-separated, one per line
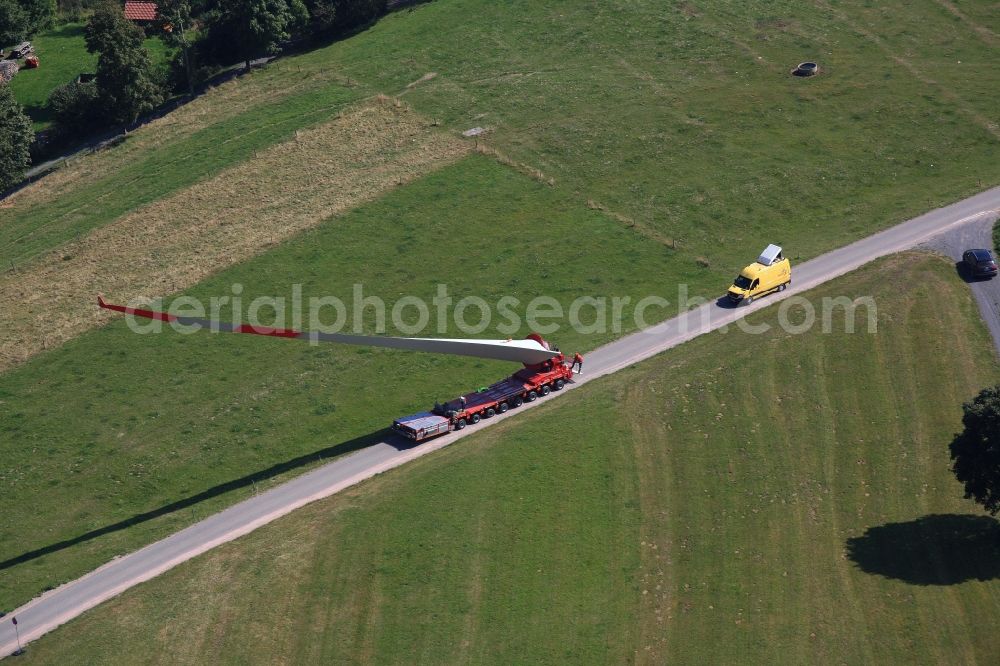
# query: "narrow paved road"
[66,602]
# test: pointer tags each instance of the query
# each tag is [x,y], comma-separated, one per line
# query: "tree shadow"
[343,448]
[39,112]
[940,549]
[69,30]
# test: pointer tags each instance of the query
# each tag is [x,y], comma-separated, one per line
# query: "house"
[140,11]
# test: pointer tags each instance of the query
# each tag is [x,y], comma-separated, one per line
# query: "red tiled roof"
[140,11]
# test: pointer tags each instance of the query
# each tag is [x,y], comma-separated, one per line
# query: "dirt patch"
[176,242]
[521,167]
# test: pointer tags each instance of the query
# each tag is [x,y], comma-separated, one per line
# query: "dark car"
[980,262]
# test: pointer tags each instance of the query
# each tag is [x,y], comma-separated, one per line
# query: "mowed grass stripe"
[175,242]
[184,148]
[780,531]
[730,156]
[575,513]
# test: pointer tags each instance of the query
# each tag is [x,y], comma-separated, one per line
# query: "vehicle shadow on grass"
[939,549]
[334,451]
[965,272]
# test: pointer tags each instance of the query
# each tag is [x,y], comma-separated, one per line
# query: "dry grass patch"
[225,101]
[521,167]
[175,242]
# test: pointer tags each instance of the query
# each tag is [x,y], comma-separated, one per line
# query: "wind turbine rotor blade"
[519,351]
[526,351]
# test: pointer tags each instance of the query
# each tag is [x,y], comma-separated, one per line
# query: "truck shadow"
[334,451]
[939,549]
[725,303]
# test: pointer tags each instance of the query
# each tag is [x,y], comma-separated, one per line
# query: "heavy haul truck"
[526,385]
[546,369]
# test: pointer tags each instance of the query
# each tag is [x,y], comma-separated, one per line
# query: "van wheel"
[782,287]
[490,413]
[475,418]
[504,407]
[546,390]
[461,424]
[532,396]
[518,401]
[558,385]
[748,300]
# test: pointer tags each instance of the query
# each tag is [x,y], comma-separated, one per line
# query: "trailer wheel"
[461,424]
[490,413]
[558,385]
[546,390]
[518,401]
[532,396]
[475,418]
[503,407]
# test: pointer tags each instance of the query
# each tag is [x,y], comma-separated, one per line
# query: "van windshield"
[742,282]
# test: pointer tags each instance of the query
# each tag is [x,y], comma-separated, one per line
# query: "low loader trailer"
[525,385]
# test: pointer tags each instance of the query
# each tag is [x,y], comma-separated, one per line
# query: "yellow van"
[771,272]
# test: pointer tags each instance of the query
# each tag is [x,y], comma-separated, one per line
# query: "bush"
[76,108]
[337,17]
[352,14]
[176,77]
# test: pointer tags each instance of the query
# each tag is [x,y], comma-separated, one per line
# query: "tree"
[76,107]
[353,14]
[248,29]
[15,140]
[39,14]
[329,17]
[124,71]
[20,19]
[13,22]
[976,450]
[174,24]
[322,16]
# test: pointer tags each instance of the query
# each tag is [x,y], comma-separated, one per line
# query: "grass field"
[177,241]
[225,408]
[685,119]
[785,501]
[668,118]
[676,144]
[62,53]
[157,169]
